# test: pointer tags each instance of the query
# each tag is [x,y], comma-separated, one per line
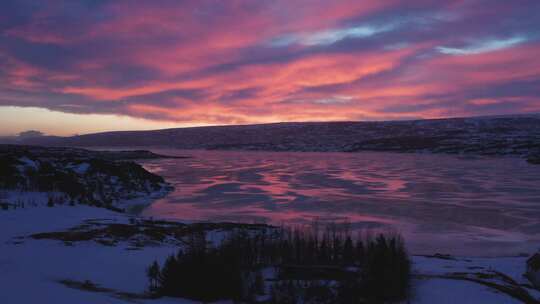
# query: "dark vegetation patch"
[534,159]
[403,144]
[7,206]
[309,266]
[87,177]
[138,233]
[442,256]
[77,153]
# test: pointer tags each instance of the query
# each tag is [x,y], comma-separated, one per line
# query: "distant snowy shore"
[513,135]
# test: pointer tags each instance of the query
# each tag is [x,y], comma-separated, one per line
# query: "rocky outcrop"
[79,176]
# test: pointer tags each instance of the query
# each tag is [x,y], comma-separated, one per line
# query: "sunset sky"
[80,66]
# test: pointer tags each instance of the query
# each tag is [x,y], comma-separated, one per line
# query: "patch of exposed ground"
[137,233]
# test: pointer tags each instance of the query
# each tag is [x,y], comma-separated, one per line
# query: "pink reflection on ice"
[440,203]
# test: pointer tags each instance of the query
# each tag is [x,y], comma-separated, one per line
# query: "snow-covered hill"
[502,135]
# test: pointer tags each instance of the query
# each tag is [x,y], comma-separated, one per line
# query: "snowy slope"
[499,135]
[29,270]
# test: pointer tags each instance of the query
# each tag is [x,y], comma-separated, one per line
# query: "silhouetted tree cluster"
[298,291]
[204,273]
[385,271]
[381,273]
[367,270]
[332,245]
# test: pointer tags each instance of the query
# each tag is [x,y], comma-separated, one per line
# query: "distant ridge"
[492,135]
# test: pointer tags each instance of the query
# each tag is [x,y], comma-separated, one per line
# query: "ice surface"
[481,206]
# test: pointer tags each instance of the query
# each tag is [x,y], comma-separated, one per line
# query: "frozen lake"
[440,203]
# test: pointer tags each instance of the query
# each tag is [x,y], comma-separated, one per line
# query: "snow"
[81,168]
[27,198]
[30,269]
[29,163]
[443,291]
[432,285]
[514,267]
[37,265]
[142,200]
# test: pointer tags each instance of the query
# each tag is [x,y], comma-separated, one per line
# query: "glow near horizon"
[14,120]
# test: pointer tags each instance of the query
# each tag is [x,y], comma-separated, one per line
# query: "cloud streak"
[483,46]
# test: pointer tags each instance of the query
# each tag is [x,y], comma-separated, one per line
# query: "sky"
[82,66]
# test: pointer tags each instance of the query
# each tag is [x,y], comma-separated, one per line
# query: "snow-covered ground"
[435,282]
[443,291]
[30,270]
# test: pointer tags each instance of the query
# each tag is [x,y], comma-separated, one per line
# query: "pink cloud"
[212,62]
